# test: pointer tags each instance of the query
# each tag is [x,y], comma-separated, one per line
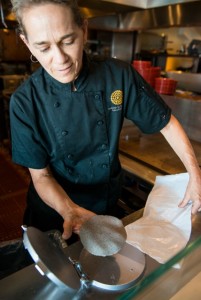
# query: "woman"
[67,117]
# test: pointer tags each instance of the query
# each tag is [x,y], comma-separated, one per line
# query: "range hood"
[145,4]
[123,14]
[106,7]
[148,15]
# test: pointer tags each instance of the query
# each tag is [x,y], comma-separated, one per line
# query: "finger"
[67,230]
[76,227]
[76,230]
[195,207]
[184,202]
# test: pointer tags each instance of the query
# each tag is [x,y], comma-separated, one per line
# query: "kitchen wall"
[177,38]
[174,42]
[125,45]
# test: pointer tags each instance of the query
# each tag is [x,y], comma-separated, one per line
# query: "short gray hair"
[18,6]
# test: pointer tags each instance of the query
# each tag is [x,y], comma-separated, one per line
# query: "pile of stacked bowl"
[166,86]
[147,71]
[153,76]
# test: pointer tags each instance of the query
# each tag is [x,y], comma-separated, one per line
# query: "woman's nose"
[59,55]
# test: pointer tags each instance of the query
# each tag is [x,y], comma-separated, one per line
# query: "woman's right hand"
[74,219]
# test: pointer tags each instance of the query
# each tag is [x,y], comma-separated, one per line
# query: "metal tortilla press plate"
[116,272]
[50,260]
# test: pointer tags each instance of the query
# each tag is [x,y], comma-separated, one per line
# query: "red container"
[140,64]
[149,74]
[155,71]
[165,86]
[145,69]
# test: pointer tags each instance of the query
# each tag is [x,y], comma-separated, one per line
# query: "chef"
[66,120]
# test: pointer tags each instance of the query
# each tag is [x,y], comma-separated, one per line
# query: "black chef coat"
[76,130]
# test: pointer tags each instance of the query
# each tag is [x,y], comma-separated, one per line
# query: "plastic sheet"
[165,228]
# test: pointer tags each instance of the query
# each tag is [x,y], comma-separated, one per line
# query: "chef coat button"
[70,171]
[97,97]
[64,132]
[70,156]
[56,104]
[100,122]
[104,166]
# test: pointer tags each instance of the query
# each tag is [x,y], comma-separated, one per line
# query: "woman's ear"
[23,38]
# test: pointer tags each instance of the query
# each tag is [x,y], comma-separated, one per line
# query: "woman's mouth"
[65,69]
[64,73]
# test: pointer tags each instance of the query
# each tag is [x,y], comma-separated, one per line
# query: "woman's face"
[55,40]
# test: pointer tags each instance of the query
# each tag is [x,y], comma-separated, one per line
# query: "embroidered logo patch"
[117,97]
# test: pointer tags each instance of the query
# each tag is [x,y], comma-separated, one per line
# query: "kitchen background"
[167,33]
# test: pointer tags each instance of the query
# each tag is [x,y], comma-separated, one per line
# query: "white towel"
[165,228]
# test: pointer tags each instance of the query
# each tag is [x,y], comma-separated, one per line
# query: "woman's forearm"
[180,143]
[178,140]
[51,192]
[54,195]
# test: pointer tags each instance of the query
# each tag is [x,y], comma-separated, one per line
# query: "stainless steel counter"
[30,284]
[147,156]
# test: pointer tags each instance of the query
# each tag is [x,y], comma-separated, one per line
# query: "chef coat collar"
[68,86]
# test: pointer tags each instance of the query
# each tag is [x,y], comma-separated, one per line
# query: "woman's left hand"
[193,193]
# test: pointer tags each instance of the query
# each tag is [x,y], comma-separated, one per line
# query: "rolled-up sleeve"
[144,106]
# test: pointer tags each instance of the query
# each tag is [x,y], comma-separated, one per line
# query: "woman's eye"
[44,50]
[69,42]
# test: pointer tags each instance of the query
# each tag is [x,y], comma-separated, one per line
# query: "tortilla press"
[73,267]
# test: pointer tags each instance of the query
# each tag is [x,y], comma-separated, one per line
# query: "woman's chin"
[62,76]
